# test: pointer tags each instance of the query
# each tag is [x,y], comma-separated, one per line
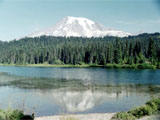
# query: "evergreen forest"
[140,49]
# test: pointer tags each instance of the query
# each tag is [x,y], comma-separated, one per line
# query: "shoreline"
[91,116]
[94,116]
[119,66]
[50,65]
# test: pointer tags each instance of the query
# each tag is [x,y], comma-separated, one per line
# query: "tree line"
[77,50]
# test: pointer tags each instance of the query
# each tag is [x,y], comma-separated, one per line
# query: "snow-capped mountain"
[79,27]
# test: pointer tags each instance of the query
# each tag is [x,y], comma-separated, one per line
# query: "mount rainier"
[79,27]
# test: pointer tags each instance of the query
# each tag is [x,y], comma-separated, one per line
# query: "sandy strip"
[104,116]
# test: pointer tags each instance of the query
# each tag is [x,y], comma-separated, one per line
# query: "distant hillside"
[144,48]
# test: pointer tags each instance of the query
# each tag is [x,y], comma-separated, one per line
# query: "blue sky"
[19,18]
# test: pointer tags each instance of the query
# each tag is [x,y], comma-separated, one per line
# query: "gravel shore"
[97,116]
[104,116]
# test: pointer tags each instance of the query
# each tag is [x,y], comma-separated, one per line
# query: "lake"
[52,91]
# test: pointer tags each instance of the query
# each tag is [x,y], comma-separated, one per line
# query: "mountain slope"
[79,27]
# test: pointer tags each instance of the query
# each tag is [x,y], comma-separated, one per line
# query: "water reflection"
[77,95]
[77,101]
[85,98]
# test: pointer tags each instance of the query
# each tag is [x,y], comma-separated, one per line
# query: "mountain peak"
[79,27]
[80,19]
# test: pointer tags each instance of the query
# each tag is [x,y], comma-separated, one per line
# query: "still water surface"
[50,91]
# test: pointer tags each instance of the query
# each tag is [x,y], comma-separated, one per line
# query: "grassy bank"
[150,108]
[125,66]
[133,66]
[47,65]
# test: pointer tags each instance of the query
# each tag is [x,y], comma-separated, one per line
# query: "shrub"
[146,66]
[129,66]
[157,103]
[141,111]
[151,107]
[123,116]
[158,65]
[2,115]
[11,115]
[81,63]
[109,65]
[58,62]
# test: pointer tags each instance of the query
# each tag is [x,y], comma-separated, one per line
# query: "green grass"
[121,66]
[53,65]
[46,65]
[134,66]
[150,108]
[146,66]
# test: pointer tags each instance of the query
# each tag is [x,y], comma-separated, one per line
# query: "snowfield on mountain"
[79,27]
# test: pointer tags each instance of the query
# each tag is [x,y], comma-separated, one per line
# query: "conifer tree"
[118,52]
[152,51]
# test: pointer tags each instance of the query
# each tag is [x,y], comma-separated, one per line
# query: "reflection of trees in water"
[74,84]
[45,84]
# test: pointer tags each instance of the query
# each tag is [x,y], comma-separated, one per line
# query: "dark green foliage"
[14,115]
[156,102]
[152,53]
[146,66]
[151,107]
[123,116]
[11,115]
[120,66]
[144,48]
[141,111]
[118,52]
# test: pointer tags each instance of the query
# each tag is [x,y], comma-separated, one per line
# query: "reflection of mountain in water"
[76,101]
[85,99]
[78,95]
